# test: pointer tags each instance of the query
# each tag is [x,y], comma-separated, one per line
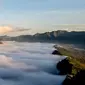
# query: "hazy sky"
[41,14]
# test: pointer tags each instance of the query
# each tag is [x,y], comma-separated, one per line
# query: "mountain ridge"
[61,36]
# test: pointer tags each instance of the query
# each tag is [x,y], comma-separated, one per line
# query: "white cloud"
[9,30]
[5,29]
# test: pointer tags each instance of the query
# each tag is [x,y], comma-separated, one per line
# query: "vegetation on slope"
[74,65]
[75,57]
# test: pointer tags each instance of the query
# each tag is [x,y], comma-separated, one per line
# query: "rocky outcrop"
[78,79]
[68,80]
[55,52]
[64,67]
[73,66]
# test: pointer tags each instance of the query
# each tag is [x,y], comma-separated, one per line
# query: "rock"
[64,67]
[68,80]
[78,79]
[55,52]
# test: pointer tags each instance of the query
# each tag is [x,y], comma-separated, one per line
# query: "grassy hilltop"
[75,56]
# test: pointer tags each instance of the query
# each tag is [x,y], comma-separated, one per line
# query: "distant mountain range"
[54,36]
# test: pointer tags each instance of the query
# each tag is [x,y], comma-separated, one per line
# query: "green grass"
[75,59]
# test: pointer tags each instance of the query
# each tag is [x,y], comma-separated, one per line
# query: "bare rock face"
[55,52]
[78,79]
[64,67]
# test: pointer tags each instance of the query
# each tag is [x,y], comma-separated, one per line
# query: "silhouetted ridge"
[54,36]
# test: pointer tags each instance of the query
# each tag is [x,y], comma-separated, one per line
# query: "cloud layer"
[28,64]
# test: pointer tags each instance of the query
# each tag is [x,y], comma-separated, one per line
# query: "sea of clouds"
[29,64]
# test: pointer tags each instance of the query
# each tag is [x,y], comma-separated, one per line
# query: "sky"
[43,15]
